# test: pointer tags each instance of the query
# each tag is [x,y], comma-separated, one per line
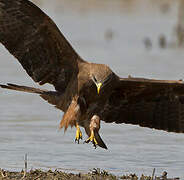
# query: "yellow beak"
[98,87]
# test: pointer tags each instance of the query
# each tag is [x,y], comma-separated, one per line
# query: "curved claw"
[92,139]
[78,134]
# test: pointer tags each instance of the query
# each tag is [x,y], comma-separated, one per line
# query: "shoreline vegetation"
[95,174]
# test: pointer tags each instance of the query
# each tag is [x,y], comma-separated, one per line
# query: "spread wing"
[146,102]
[34,39]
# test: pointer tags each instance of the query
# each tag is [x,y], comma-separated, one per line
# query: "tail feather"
[53,97]
[22,88]
[99,140]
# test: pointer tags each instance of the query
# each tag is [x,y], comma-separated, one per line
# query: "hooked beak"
[98,85]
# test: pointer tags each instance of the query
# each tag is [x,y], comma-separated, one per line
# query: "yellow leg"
[92,139]
[78,134]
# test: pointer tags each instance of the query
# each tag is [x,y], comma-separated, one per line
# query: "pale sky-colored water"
[30,125]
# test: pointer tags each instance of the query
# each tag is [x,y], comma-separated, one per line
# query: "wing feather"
[147,102]
[34,39]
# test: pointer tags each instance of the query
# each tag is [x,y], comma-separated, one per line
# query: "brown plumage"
[86,92]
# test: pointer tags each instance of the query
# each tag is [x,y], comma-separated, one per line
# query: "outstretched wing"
[146,102]
[34,39]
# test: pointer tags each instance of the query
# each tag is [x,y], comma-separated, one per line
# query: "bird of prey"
[86,92]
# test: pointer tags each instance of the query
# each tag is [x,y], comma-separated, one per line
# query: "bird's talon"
[77,140]
[94,145]
[78,134]
[92,139]
[87,141]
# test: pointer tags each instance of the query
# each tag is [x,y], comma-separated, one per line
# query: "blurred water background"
[136,37]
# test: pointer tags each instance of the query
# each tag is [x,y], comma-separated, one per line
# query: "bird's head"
[103,77]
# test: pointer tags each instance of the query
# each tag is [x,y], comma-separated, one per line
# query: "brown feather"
[53,97]
[71,115]
[148,103]
[34,39]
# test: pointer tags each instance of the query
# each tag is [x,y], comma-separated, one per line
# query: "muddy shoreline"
[95,174]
